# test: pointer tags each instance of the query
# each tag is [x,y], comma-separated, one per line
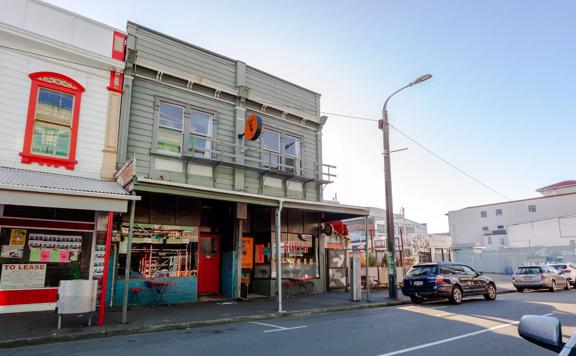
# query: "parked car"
[446,280]
[568,270]
[546,331]
[539,277]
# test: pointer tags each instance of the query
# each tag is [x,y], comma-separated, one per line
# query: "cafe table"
[305,285]
[159,288]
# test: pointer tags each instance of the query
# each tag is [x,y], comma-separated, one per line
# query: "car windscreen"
[420,271]
[528,270]
[559,267]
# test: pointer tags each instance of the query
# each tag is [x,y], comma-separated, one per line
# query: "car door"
[465,280]
[478,282]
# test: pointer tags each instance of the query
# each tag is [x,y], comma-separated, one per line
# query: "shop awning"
[332,211]
[33,188]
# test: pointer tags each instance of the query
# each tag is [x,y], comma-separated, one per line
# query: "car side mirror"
[544,331]
[479,273]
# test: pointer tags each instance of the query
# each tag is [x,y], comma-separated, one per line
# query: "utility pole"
[390,235]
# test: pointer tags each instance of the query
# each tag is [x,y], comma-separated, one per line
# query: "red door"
[209,264]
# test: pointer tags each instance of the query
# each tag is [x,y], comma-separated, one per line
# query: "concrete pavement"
[476,327]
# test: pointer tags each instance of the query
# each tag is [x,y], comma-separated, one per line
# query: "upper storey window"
[183,130]
[52,123]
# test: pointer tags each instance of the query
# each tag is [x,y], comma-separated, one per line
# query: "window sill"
[28,158]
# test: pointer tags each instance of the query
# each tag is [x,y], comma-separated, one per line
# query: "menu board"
[22,276]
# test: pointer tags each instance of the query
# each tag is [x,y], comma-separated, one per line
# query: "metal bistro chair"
[134,295]
[286,284]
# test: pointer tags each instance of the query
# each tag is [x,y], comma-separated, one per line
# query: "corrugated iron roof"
[58,182]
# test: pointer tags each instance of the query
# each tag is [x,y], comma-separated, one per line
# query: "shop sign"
[23,276]
[253,127]
[125,175]
[247,252]
[295,248]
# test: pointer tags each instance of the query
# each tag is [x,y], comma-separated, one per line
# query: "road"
[476,327]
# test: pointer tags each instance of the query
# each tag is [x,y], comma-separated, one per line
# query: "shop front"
[212,244]
[50,235]
[181,243]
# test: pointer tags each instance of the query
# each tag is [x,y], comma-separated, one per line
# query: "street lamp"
[384,125]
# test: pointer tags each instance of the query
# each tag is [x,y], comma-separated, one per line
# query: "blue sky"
[500,104]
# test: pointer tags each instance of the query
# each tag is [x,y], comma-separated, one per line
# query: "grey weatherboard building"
[183,114]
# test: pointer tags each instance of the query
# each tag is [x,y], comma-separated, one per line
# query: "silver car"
[538,277]
[568,270]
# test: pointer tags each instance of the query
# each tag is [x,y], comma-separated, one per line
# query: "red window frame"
[62,84]
[119,55]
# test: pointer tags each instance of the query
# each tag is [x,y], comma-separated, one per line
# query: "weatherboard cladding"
[10,177]
[172,53]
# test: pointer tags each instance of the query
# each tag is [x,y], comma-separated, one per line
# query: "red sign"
[295,248]
[253,127]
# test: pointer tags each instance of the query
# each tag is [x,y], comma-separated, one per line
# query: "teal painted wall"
[184,291]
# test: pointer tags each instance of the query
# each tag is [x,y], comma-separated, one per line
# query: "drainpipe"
[278,257]
[367,260]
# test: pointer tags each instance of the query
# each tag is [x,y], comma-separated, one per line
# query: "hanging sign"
[253,127]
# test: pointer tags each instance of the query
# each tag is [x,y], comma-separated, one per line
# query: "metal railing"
[260,159]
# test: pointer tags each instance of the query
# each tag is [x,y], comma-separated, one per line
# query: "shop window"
[56,255]
[300,257]
[52,123]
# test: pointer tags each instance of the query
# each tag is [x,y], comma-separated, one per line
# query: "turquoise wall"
[184,291]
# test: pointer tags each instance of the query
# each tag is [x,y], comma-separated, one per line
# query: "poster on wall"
[247,252]
[17,237]
[22,276]
[12,251]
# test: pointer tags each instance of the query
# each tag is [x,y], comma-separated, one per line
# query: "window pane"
[54,106]
[292,146]
[197,144]
[169,140]
[53,140]
[271,141]
[171,115]
[201,123]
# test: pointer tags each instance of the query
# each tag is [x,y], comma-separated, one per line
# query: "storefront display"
[161,251]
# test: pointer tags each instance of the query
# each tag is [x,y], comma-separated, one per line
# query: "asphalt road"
[476,327]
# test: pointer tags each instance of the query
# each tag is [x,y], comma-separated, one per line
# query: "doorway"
[209,264]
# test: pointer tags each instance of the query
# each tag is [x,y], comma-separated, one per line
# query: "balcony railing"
[263,161]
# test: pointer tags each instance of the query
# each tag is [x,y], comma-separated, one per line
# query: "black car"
[446,280]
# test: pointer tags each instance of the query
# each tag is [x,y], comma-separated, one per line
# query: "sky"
[500,105]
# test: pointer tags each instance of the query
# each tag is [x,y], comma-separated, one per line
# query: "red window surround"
[61,83]
[116,82]
[118,46]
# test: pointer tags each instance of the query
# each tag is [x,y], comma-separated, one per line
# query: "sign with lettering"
[23,276]
[295,248]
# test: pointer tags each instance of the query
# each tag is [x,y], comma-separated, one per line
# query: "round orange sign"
[253,127]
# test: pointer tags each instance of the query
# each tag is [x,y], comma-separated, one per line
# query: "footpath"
[21,329]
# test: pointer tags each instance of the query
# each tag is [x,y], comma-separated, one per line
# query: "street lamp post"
[384,125]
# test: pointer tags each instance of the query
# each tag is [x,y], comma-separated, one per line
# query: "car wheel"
[520,290]
[490,292]
[553,286]
[456,295]
[567,287]
[416,299]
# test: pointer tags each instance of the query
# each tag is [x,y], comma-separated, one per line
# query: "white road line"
[270,325]
[284,329]
[452,339]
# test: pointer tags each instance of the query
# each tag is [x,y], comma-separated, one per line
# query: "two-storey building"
[225,156]
[60,93]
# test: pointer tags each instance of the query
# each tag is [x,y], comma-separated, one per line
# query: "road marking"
[278,328]
[270,325]
[452,338]
[284,329]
